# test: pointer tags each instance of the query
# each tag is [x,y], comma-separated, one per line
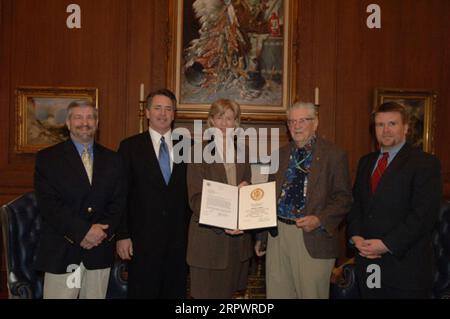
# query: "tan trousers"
[82,283]
[291,273]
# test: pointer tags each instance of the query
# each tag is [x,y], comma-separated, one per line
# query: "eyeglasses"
[301,121]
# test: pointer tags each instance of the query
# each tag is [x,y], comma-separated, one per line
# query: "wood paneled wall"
[124,43]
[411,50]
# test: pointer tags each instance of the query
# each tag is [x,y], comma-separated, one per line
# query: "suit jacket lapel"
[149,156]
[98,167]
[395,164]
[74,160]
[316,168]
[372,159]
[240,168]
[177,168]
[219,170]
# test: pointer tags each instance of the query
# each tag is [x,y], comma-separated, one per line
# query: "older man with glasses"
[314,194]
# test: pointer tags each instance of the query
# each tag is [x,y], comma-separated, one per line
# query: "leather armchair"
[347,287]
[441,244]
[21,224]
[118,281]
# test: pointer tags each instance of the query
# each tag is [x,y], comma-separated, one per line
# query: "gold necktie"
[87,162]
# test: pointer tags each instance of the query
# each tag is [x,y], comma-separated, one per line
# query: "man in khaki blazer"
[314,194]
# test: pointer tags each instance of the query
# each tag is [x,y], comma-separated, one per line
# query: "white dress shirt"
[156,140]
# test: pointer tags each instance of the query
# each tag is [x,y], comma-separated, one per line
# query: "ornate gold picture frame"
[421,105]
[241,50]
[41,114]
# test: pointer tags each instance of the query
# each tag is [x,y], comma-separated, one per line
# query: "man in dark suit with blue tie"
[397,193]
[80,190]
[153,231]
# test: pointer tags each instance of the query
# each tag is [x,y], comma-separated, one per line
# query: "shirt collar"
[80,147]
[393,150]
[156,136]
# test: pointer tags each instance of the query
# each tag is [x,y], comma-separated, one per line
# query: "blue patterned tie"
[164,160]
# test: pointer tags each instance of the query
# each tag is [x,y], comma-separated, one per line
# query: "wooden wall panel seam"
[336,59]
[126,85]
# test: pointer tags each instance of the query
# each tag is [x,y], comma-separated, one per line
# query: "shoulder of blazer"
[327,147]
[57,147]
[106,155]
[104,150]
[135,139]
[56,150]
[417,155]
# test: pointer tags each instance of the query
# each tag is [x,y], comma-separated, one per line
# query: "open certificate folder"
[231,207]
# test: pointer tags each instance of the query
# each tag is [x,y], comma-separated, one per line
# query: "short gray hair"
[303,105]
[81,103]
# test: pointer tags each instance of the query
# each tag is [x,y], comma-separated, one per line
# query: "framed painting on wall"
[420,105]
[41,115]
[240,50]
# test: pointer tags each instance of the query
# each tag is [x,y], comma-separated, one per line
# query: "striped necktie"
[379,171]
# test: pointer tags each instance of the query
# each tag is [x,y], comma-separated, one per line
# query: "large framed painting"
[235,49]
[41,115]
[420,105]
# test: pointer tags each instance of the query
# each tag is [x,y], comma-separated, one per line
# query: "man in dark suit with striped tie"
[154,229]
[397,194]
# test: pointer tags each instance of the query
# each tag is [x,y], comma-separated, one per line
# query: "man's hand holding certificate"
[231,207]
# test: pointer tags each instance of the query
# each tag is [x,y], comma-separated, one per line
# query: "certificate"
[230,207]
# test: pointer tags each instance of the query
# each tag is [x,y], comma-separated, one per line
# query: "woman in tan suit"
[218,258]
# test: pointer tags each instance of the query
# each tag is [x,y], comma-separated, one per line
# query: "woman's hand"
[243,183]
[233,232]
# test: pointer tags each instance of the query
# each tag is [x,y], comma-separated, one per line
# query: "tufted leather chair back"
[21,226]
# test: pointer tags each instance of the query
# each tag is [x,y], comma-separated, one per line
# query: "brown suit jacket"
[329,195]
[209,247]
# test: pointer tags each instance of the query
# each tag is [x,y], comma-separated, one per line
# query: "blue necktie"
[164,160]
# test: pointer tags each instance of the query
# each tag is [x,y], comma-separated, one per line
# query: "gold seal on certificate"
[231,207]
[257,194]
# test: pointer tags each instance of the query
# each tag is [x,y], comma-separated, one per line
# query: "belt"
[286,221]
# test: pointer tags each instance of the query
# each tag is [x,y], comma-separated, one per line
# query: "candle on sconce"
[141,96]
[316,96]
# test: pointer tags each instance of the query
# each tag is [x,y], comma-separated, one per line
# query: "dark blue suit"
[402,213]
[156,221]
